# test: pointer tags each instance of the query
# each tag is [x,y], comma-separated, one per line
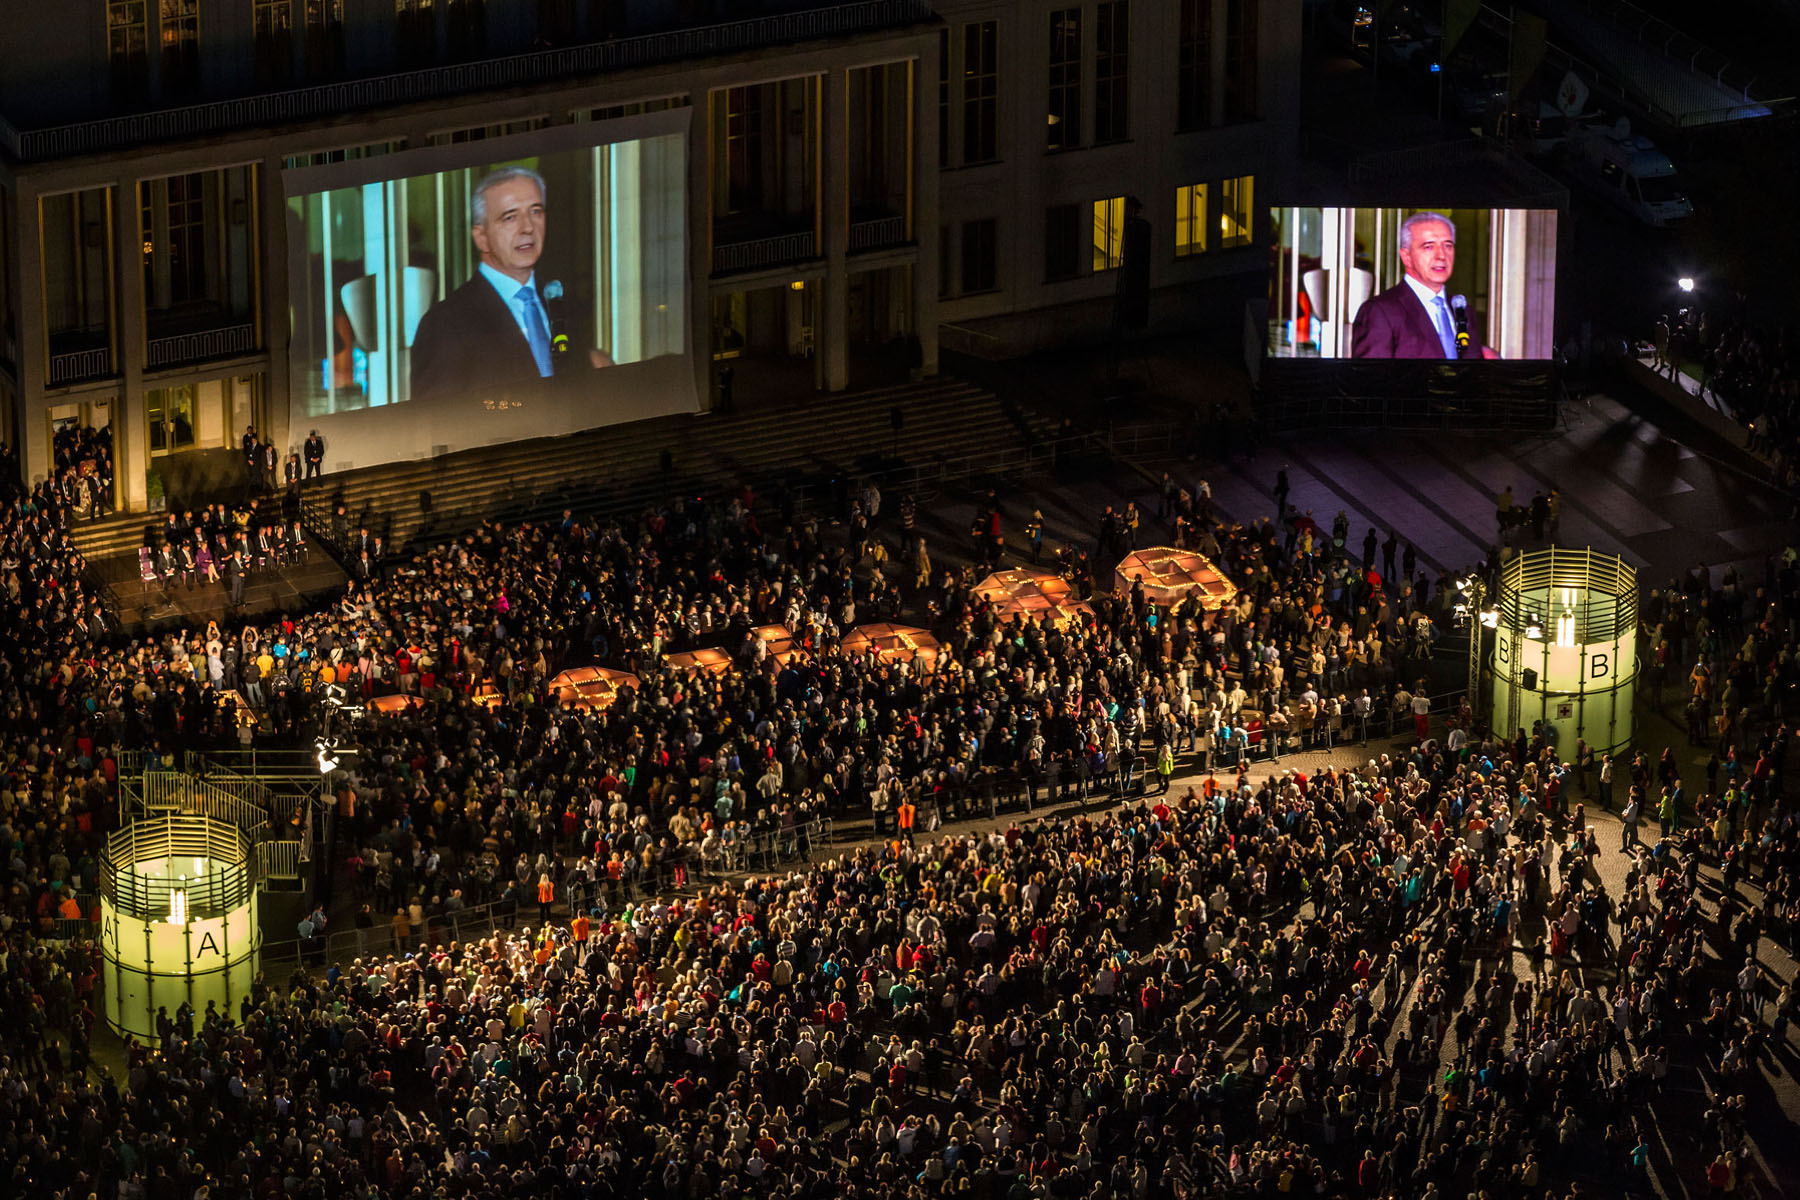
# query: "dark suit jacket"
[469,344]
[1395,325]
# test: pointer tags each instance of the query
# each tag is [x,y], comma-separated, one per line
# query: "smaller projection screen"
[1454,284]
[509,288]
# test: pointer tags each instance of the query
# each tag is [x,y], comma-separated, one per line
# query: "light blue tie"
[537,334]
[1446,330]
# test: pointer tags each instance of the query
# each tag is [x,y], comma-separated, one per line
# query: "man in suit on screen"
[504,327]
[1414,319]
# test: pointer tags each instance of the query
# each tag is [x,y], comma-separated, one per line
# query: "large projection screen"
[1363,283]
[518,287]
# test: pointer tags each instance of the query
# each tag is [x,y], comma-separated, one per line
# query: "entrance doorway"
[194,431]
[768,337]
[879,326]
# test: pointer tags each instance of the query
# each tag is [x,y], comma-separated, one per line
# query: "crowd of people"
[84,468]
[1751,368]
[1299,983]
[223,544]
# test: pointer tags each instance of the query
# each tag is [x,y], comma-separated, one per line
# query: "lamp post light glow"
[1685,283]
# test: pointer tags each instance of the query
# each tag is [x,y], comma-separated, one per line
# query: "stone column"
[924,200]
[272,333]
[834,308]
[131,431]
[34,342]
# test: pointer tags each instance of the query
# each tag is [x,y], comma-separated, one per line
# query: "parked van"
[1629,171]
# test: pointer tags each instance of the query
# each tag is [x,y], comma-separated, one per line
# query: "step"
[620,466]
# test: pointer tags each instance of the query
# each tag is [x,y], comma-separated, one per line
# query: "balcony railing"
[79,366]
[335,99]
[200,346]
[877,234]
[758,253]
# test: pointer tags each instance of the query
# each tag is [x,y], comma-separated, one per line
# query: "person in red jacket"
[1150,1001]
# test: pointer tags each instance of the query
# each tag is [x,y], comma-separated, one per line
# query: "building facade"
[863,177]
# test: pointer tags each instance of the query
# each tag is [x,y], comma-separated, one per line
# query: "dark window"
[1112,72]
[981,92]
[1241,18]
[199,246]
[555,22]
[1064,131]
[181,243]
[1062,242]
[743,148]
[1193,87]
[272,30]
[179,31]
[415,32]
[465,28]
[127,41]
[980,256]
[324,38]
[944,289]
[943,97]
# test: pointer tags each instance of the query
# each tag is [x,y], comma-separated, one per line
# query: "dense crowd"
[222,543]
[84,468]
[1299,984]
[1751,368]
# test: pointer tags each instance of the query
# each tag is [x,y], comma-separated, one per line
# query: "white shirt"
[1429,298]
[507,288]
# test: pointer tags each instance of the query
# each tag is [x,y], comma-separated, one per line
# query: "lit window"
[1237,216]
[1190,220]
[1109,233]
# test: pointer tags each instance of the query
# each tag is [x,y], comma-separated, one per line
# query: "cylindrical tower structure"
[178,919]
[1565,648]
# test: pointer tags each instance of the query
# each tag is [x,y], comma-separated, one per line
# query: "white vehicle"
[1629,171]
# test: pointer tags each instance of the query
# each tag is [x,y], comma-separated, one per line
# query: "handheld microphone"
[559,333]
[1459,309]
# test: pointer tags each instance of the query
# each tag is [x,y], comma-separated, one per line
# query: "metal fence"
[877,233]
[757,253]
[280,859]
[761,853]
[164,791]
[200,345]
[80,366]
[219,852]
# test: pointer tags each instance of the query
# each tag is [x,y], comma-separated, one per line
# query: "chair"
[146,566]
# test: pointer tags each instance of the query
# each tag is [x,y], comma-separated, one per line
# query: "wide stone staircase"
[808,447]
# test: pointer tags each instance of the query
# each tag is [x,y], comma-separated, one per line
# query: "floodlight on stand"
[1685,283]
[1534,628]
[1490,617]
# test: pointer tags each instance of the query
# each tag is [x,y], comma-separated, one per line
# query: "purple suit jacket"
[1395,325]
